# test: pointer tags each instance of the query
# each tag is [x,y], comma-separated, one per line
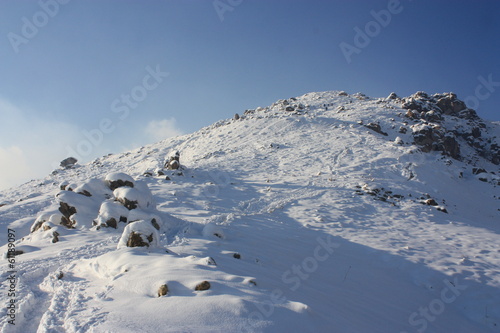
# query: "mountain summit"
[328,212]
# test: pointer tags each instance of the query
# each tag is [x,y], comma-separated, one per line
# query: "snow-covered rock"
[111,213]
[139,234]
[118,179]
[135,197]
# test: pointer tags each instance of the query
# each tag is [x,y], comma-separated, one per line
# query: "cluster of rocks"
[204,285]
[486,177]
[173,161]
[427,200]
[289,105]
[441,120]
[380,194]
[431,137]
[116,200]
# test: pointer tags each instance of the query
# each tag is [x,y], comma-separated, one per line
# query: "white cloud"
[158,130]
[30,146]
[14,168]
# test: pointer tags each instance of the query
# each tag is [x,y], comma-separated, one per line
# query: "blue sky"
[67,67]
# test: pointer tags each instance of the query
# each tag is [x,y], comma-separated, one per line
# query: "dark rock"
[424,137]
[129,204]
[468,114]
[236,256]
[85,193]
[477,171]
[392,95]
[155,224]
[412,104]
[163,290]
[431,202]
[37,225]
[55,237]
[403,130]
[236,116]
[433,116]
[67,212]
[205,285]
[289,108]
[421,95]
[451,147]
[135,240]
[68,162]
[113,185]
[112,223]
[68,223]
[442,209]
[13,254]
[476,132]
[60,275]
[375,127]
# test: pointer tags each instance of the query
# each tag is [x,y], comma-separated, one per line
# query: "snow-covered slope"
[327,212]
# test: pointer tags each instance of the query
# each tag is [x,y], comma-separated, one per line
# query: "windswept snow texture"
[320,213]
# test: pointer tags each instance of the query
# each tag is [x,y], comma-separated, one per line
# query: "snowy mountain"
[327,212]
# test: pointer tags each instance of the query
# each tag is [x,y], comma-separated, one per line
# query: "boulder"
[55,237]
[163,290]
[376,127]
[139,234]
[451,147]
[172,162]
[118,179]
[205,285]
[392,95]
[67,212]
[137,197]
[68,163]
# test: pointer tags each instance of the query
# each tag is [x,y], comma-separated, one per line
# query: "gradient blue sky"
[64,78]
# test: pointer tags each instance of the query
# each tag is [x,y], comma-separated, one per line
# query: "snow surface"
[302,221]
